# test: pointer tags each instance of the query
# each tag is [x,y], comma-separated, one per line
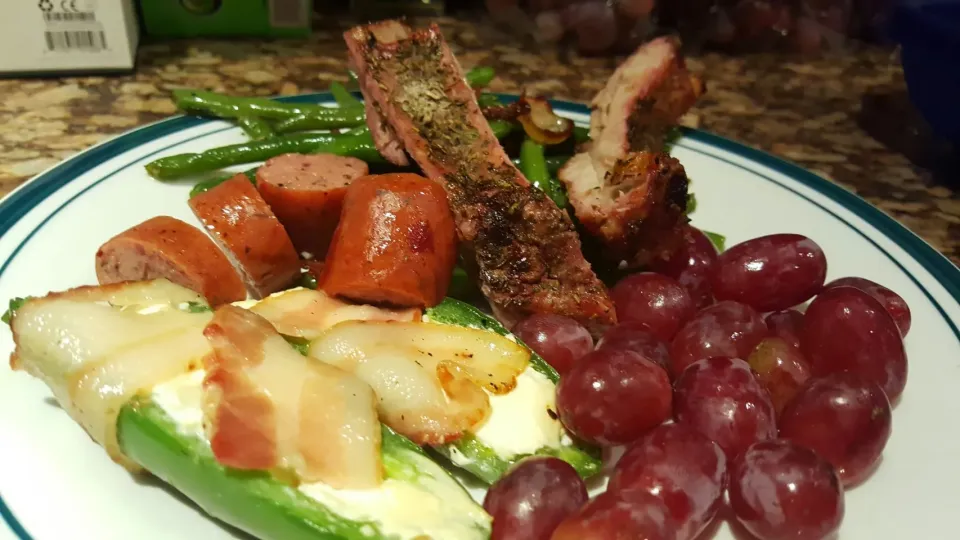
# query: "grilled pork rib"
[526,250]
[623,188]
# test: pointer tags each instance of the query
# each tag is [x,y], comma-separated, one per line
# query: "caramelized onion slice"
[490,360]
[543,125]
[430,379]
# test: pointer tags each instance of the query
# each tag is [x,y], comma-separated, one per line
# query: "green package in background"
[201,18]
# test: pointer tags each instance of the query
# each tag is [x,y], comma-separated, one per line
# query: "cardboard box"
[200,18]
[75,36]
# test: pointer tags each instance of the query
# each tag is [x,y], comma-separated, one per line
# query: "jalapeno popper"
[283,445]
[451,379]
[220,406]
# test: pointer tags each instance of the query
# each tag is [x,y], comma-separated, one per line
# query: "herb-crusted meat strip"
[624,189]
[526,250]
[385,139]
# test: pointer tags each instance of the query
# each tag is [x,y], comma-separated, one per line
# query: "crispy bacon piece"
[623,188]
[268,407]
[526,251]
[429,378]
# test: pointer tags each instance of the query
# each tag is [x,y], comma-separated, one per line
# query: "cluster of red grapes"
[615,25]
[598,26]
[780,408]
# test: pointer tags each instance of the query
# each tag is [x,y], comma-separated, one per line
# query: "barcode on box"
[69,17]
[88,40]
[288,13]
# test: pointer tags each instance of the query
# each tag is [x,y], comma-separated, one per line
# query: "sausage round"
[395,244]
[165,247]
[241,222]
[306,194]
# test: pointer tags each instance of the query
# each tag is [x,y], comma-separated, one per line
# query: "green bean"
[581,134]
[487,100]
[691,203]
[254,127]
[357,143]
[306,122]
[204,186]
[343,96]
[207,185]
[461,286]
[719,241]
[554,163]
[533,164]
[671,138]
[480,76]
[234,106]
[307,280]
[502,128]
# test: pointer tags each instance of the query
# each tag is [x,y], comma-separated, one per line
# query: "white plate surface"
[55,483]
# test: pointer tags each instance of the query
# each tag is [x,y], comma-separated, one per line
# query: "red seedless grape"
[721,398]
[560,340]
[680,466]
[771,272]
[621,515]
[653,301]
[895,305]
[846,329]
[533,498]
[780,368]
[633,337]
[691,265]
[723,329]
[613,397]
[843,418]
[782,491]
[786,325]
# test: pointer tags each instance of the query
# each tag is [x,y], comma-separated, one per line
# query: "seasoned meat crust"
[526,251]
[625,190]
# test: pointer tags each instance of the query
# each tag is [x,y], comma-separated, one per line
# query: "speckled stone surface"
[801,110]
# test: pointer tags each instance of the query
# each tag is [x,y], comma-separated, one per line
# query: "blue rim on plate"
[24,199]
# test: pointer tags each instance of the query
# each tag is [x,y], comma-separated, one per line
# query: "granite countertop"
[802,110]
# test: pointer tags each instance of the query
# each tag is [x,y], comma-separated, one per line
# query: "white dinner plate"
[55,483]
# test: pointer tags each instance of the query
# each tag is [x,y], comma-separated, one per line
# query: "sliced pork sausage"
[165,247]
[305,192]
[395,243]
[242,223]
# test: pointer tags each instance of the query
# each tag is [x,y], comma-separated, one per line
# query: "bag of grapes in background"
[613,26]
[595,26]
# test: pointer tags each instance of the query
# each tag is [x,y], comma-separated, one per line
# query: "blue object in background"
[928,32]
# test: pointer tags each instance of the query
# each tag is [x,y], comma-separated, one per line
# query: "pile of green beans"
[533,165]
[277,128]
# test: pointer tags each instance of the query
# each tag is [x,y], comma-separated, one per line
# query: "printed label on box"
[75,35]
